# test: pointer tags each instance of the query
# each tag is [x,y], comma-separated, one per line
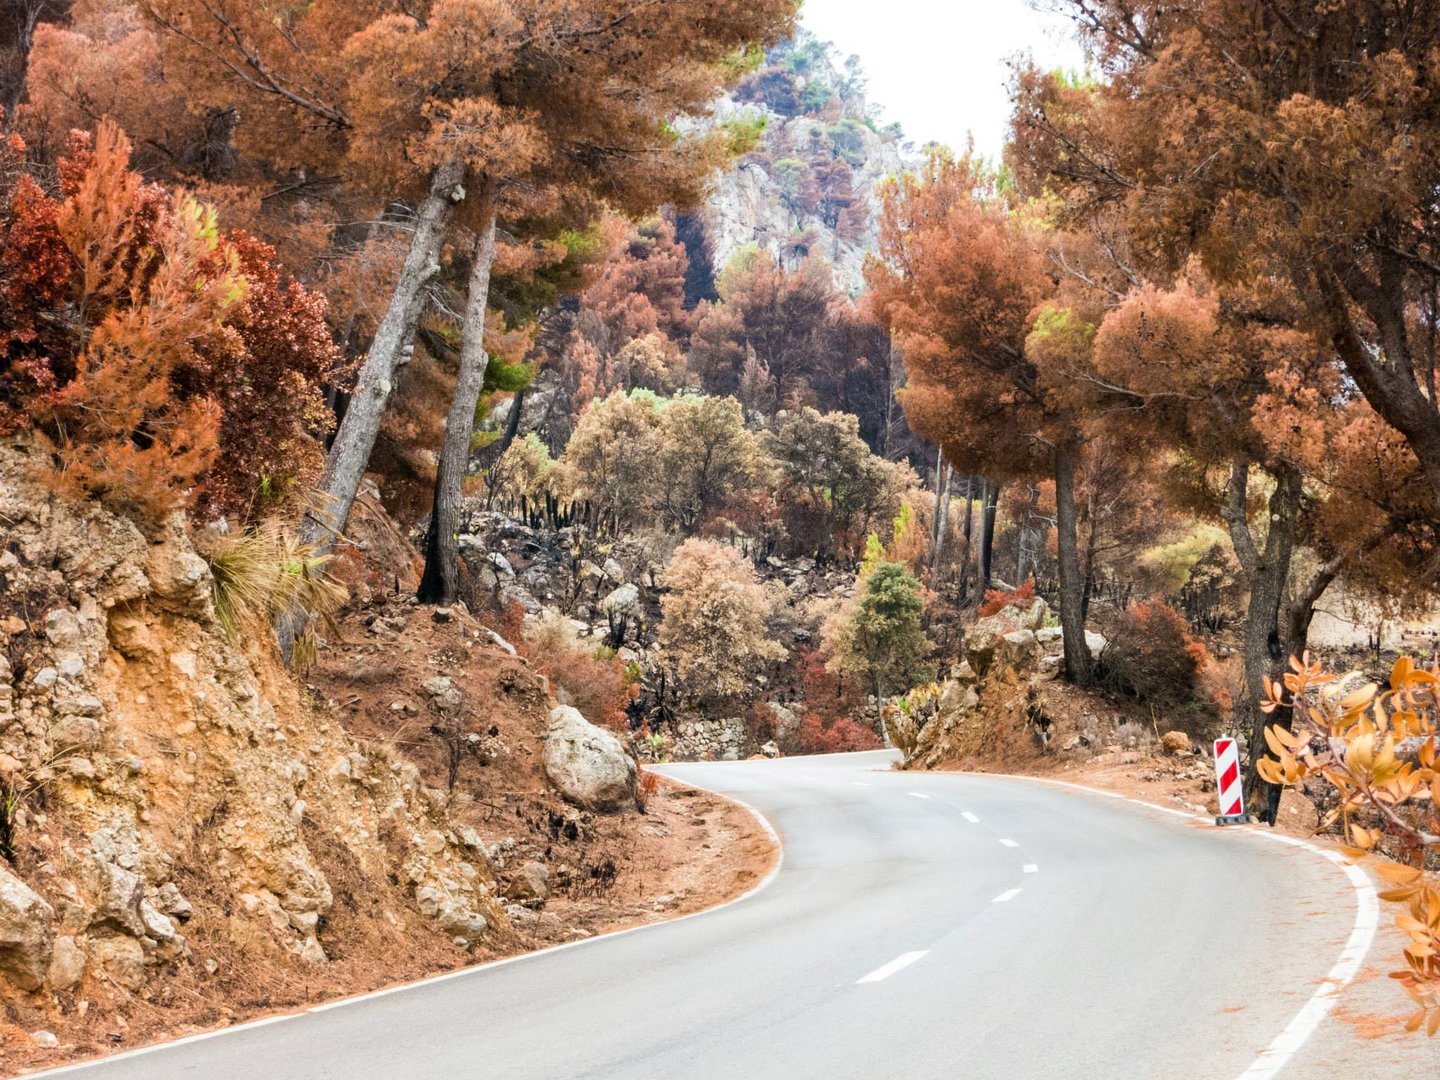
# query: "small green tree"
[877,635]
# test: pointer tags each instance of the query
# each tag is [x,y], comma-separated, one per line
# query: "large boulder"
[622,601]
[588,765]
[27,934]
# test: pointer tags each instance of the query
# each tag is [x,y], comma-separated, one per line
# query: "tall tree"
[962,281]
[1311,155]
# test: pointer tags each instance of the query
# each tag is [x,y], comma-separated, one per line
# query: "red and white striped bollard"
[1229,784]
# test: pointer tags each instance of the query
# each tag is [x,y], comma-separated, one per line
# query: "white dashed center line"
[917,795]
[970,818]
[859,783]
[901,962]
[1009,843]
[1005,896]
[1031,868]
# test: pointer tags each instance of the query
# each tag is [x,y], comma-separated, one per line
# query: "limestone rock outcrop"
[172,752]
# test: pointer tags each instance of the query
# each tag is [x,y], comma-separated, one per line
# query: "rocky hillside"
[811,184]
[191,835]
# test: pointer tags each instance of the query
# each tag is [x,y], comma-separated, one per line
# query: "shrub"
[839,736]
[164,363]
[594,680]
[997,600]
[265,572]
[647,784]
[714,630]
[1153,656]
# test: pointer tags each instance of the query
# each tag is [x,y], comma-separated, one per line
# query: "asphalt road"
[922,925]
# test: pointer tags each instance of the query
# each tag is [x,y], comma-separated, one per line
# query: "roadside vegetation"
[1073,452]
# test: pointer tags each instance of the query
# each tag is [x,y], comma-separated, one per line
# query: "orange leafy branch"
[1378,749]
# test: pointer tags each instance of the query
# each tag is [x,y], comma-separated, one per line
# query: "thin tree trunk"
[355,439]
[1088,568]
[1301,611]
[991,503]
[441,580]
[1079,664]
[945,474]
[964,590]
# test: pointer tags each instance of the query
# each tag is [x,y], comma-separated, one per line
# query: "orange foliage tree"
[165,364]
[1309,160]
[962,281]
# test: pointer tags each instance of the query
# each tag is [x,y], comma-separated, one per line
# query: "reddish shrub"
[646,784]
[997,600]
[826,693]
[840,736]
[1153,656]
[594,680]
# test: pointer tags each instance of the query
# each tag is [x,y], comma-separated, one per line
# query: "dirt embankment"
[199,838]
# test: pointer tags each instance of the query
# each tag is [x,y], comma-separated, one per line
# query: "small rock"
[67,964]
[530,883]
[46,1039]
[1175,743]
[441,615]
[122,960]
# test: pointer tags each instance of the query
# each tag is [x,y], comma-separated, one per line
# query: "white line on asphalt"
[917,795]
[970,818]
[1006,896]
[859,783]
[1367,921]
[880,974]
[1031,868]
[1009,843]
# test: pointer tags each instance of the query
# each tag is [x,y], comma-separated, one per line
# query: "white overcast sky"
[939,66]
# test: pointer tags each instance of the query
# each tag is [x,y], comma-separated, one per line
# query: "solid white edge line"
[883,972]
[968,816]
[449,976]
[1367,922]
[1007,896]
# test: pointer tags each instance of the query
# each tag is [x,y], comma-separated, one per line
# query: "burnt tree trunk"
[1267,572]
[441,581]
[1079,665]
[963,593]
[355,438]
[990,503]
[943,477]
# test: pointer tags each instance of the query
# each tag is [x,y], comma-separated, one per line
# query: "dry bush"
[839,736]
[646,785]
[715,632]
[997,600]
[1152,656]
[592,679]
[264,572]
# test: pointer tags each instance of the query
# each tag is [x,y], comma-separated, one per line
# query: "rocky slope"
[756,204]
[192,835]
[811,186]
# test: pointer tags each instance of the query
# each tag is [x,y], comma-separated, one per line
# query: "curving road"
[922,925]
